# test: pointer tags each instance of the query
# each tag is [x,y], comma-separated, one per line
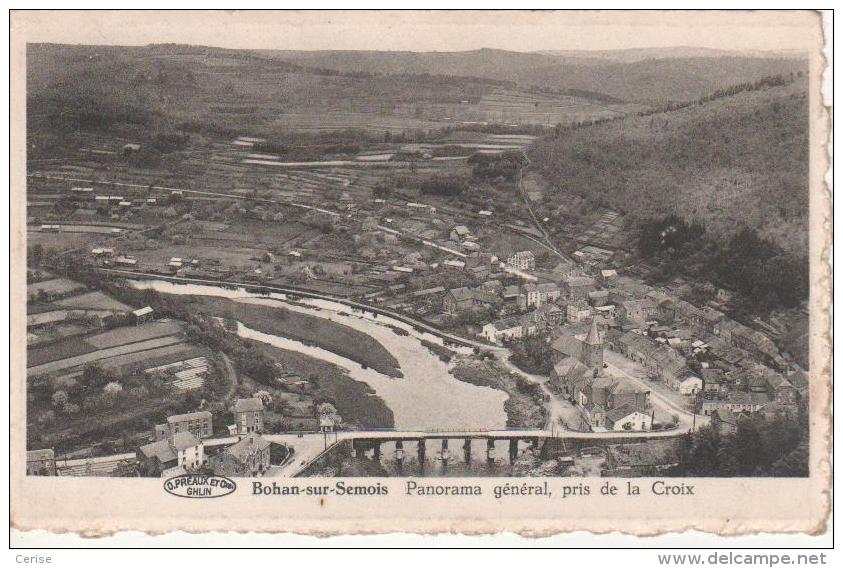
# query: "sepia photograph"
[496,264]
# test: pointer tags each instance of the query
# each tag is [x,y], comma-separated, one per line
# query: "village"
[611,353]
[222,299]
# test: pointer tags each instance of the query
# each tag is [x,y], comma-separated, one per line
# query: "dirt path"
[230,376]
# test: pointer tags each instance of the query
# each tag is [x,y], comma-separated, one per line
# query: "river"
[427,397]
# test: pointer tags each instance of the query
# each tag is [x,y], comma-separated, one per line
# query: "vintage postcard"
[420,271]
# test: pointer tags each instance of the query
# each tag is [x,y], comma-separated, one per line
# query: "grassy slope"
[355,401]
[332,336]
[733,162]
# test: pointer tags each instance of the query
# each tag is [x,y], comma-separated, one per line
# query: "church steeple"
[593,337]
[592,349]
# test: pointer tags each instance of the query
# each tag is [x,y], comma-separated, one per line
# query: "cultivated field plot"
[55,287]
[101,354]
[61,241]
[158,356]
[128,335]
[63,349]
[93,300]
[44,318]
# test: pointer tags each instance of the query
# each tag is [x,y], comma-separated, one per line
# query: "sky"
[425,30]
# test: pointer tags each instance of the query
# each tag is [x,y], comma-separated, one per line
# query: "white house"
[626,418]
[505,329]
[687,385]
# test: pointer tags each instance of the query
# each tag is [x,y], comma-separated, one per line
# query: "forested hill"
[739,161]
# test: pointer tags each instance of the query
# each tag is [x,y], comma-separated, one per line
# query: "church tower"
[592,348]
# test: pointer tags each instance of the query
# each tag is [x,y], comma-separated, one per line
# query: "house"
[726,421]
[459,300]
[511,293]
[249,457]
[530,296]
[505,329]
[457,264]
[548,292]
[608,277]
[576,288]
[628,418]
[637,311]
[41,462]
[142,315]
[183,451]
[248,415]
[460,233]
[714,381]
[686,384]
[650,458]
[523,260]
[776,385]
[736,401]
[598,298]
[126,261]
[479,264]
[200,424]
[547,316]
[576,312]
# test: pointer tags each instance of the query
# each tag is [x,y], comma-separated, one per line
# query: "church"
[578,373]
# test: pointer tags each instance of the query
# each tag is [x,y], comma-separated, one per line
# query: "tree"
[59,398]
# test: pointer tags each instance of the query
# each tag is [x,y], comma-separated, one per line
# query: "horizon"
[426,31]
[469,50]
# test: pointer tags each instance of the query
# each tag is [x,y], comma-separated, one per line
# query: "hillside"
[738,161]
[643,76]
[228,92]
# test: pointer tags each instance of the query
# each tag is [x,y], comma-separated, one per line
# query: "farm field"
[97,355]
[94,300]
[133,334]
[70,347]
[55,287]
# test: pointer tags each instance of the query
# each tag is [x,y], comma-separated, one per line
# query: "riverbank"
[525,406]
[428,396]
[328,335]
[356,402]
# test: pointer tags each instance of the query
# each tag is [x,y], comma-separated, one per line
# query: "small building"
[577,287]
[628,418]
[41,462]
[249,457]
[460,233]
[130,149]
[523,260]
[608,277]
[127,261]
[685,384]
[200,424]
[142,315]
[653,457]
[506,329]
[248,415]
[182,452]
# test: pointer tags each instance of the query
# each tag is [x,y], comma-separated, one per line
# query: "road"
[230,375]
[548,244]
[560,412]
[618,365]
